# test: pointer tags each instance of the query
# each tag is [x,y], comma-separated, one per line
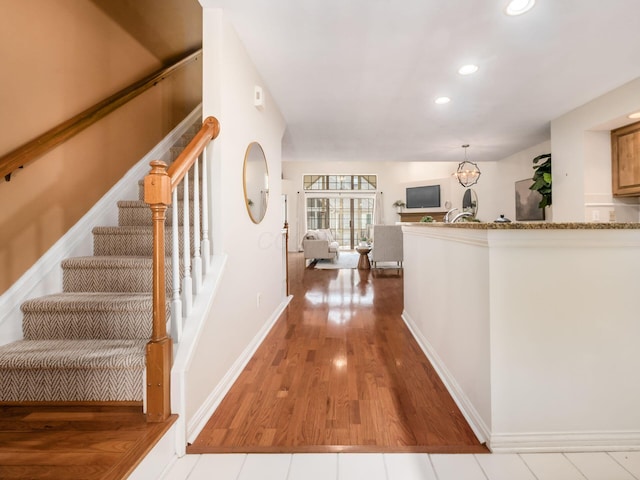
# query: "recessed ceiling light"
[468,69]
[635,115]
[518,7]
[442,100]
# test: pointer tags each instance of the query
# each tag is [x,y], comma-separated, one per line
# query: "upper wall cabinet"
[625,160]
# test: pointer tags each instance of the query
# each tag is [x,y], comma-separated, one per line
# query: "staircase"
[87,343]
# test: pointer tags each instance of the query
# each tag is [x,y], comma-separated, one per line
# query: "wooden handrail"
[158,187]
[178,169]
[64,131]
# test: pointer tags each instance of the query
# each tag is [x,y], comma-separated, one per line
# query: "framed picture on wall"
[527,202]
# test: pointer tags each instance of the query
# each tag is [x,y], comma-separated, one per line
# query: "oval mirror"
[256,182]
[470,201]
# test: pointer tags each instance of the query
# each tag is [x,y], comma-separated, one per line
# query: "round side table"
[363,263]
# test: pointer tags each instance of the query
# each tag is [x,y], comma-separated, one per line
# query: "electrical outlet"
[595,215]
[258,298]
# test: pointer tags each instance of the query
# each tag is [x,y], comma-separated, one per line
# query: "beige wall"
[59,58]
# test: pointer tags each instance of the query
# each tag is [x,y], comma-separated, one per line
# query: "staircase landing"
[88,442]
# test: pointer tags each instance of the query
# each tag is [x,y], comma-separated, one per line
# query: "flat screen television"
[423,197]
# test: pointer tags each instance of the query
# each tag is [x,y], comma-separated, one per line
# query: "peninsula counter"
[534,327]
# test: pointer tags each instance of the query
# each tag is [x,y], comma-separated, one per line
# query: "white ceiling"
[356,79]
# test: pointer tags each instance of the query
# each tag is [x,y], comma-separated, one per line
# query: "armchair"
[387,244]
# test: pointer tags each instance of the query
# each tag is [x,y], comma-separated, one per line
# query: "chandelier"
[468,172]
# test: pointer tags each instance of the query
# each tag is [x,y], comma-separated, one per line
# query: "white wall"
[254,251]
[582,158]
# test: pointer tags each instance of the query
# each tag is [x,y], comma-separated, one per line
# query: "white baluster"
[197,260]
[206,247]
[187,282]
[176,302]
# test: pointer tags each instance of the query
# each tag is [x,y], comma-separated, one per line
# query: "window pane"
[340,182]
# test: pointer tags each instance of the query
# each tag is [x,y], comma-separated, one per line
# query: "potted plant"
[399,204]
[542,179]
[364,241]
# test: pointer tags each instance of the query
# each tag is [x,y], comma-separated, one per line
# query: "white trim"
[199,420]
[45,276]
[471,415]
[565,442]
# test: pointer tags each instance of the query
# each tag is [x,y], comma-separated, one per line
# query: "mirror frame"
[250,148]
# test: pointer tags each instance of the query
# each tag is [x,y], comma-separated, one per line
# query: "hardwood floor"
[339,372]
[71,442]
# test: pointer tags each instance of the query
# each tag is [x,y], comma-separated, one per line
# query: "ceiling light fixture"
[635,115]
[442,100]
[468,172]
[468,69]
[518,7]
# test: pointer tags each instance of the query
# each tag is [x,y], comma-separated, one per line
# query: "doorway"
[349,217]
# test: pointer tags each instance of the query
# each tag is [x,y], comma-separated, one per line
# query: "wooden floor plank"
[339,372]
[89,442]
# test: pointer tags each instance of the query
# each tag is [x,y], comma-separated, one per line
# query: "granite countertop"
[530,225]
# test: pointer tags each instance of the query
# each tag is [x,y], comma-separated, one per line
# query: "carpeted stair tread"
[131,240]
[86,315]
[79,354]
[109,261]
[111,273]
[72,370]
[90,301]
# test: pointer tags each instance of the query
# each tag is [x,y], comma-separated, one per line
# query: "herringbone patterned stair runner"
[88,342]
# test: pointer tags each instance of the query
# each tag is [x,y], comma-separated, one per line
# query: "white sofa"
[320,244]
[387,244]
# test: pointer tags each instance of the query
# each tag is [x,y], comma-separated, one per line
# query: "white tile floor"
[399,466]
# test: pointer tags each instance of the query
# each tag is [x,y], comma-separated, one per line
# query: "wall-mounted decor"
[527,202]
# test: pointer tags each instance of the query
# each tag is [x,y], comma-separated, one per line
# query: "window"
[340,182]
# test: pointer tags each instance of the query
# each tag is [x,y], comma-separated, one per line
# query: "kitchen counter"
[530,225]
[533,327]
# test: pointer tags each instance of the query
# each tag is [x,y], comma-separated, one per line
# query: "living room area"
[334,209]
[344,223]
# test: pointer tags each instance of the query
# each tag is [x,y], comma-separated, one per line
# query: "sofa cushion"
[312,235]
[325,234]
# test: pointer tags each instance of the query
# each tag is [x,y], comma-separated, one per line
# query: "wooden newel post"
[157,193]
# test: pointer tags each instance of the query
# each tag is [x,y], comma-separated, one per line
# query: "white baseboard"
[471,415]
[45,276]
[565,442]
[199,420]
